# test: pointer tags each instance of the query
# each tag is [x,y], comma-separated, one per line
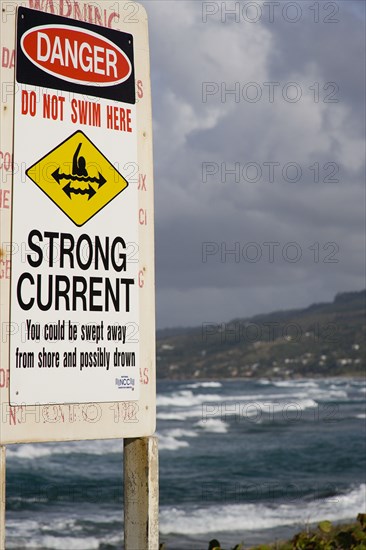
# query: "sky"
[259,155]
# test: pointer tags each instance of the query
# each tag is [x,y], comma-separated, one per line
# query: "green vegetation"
[325,537]
[322,340]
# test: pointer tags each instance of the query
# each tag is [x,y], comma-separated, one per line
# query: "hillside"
[325,339]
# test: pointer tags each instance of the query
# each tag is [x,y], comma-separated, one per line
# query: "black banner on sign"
[65,54]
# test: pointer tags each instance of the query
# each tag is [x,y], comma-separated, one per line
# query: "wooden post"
[141,494]
[2,495]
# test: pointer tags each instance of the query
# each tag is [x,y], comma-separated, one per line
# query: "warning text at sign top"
[78,111]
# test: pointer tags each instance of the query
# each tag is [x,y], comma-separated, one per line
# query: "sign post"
[141,494]
[76,217]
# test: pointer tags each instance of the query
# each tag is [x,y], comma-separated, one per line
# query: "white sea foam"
[291,405]
[196,385]
[242,517]
[64,524]
[308,404]
[261,396]
[22,533]
[213,425]
[169,443]
[172,440]
[179,432]
[28,451]
[22,528]
[328,394]
[58,543]
[185,398]
[184,405]
[31,451]
[339,393]
[312,391]
[296,384]
[280,397]
[337,389]
[180,415]
[247,408]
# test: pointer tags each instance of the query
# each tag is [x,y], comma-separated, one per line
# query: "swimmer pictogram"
[79,173]
[86,180]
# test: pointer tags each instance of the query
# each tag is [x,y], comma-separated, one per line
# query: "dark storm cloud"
[335,48]
[325,219]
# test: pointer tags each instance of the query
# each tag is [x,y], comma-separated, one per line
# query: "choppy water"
[240,460]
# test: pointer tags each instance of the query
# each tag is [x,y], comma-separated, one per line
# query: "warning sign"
[77,302]
[78,178]
[65,54]
[75,288]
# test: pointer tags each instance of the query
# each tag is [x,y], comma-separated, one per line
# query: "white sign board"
[80,338]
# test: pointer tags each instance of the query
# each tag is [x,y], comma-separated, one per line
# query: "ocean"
[240,460]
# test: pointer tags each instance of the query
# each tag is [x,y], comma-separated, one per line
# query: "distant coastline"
[321,341]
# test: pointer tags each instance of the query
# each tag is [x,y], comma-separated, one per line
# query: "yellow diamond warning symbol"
[78,178]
